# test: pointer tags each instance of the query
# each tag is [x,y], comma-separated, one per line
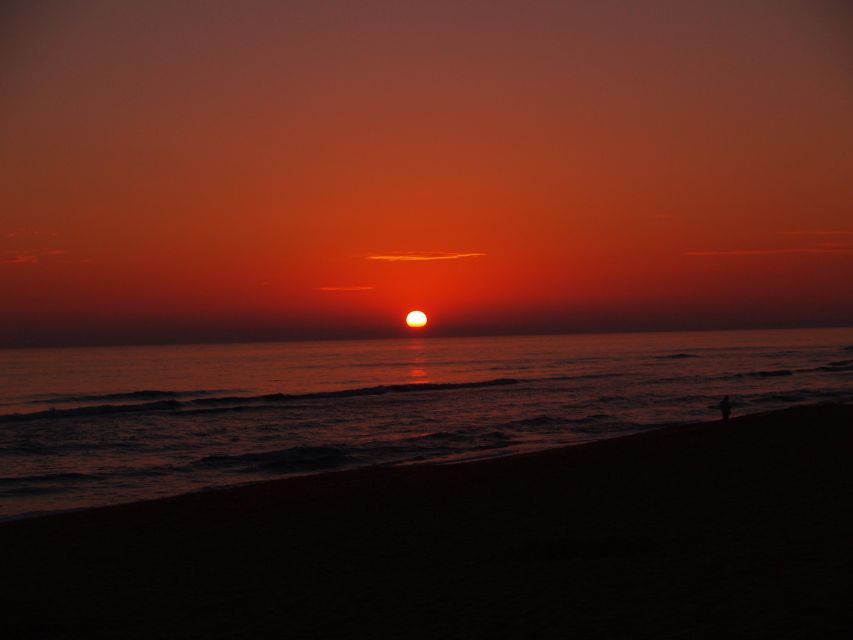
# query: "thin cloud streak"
[773,252]
[19,259]
[46,255]
[345,288]
[423,256]
[817,232]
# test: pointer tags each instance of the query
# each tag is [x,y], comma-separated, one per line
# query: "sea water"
[93,426]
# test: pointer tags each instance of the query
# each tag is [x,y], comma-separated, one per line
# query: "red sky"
[229,170]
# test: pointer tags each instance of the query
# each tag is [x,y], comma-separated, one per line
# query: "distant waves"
[160,401]
[94,427]
[173,404]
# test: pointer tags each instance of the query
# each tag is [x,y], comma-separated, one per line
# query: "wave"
[48,477]
[837,366]
[292,459]
[306,459]
[174,405]
[536,421]
[677,356]
[458,435]
[790,396]
[764,374]
[586,376]
[145,394]
[104,409]
[593,417]
[361,391]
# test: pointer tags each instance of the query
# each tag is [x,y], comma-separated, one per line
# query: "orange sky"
[231,170]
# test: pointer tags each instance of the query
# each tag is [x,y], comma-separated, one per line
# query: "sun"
[416,319]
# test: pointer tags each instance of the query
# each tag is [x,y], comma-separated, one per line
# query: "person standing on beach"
[726,408]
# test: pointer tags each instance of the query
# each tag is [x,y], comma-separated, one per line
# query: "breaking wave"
[145,394]
[292,460]
[764,374]
[174,405]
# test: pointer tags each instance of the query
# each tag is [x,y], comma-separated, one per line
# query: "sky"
[204,171]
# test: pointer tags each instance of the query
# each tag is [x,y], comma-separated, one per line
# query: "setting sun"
[416,319]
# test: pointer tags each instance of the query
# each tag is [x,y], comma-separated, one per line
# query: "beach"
[718,529]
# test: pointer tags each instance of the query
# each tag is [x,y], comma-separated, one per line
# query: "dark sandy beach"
[738,529]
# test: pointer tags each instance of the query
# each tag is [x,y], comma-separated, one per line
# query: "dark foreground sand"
[742,529]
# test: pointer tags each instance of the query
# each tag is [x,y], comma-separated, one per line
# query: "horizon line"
[425,335]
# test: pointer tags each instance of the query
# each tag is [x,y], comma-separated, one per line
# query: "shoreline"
[451,459]
[713,529]
[454,459]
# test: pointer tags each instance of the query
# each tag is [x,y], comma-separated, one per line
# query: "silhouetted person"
[726,408]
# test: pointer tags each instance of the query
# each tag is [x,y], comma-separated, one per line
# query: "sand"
[737,529]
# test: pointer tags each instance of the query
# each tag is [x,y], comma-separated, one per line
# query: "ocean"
[82,427]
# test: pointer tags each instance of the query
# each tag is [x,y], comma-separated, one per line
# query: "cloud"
[19,259]
[31,233]
[421,256]
[823,248]
[817,232]
[45,255]
[345,288]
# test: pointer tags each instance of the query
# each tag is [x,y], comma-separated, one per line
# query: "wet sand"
[737,529]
